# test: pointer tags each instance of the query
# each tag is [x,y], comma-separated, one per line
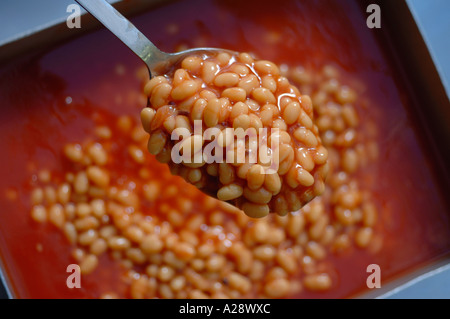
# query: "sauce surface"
[57,96]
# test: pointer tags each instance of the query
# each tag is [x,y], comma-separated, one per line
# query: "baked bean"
[211,112]
[240,69]
[255,210]
[315,250]
[184,251]
[226,173]
[239,282]
[185,89]
[88,237]
[223,58]
[279,124]
[98,246]
[74,152]
[304,159]
[266,67]
[160,95]
[230,192]
[97,176]
[255,177]
[264,253]
[235,94]
[227,79]
[306,137]
[263,96]
[269,83]
[272,183]
[177,283]
[291,113]
[118,243]
[64,192]
[156,142]
[350,161]
[88,264]
[209,70]
[318,282]
[71,232]
[153,83]
[191,63]
[260,196]
[56,215]
[277,288]
[363,236]
[97,154]
[304,177]
[189,244]
[81,183]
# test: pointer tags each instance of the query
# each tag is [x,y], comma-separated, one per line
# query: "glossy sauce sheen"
[37,121]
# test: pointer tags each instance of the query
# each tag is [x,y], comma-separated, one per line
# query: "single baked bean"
[211,112]
[74,152]
[71,232]
[160,95]
[255,210]
[177,283]
[363,236]
[227,79]
[269,83]
[306,137]
[321,155]
[369,214]
[260,196]
[255,177]
[118,243]
[209,71]
[192,64]
[230,192]
[242,121]
[264,253]
[266,67]
[317,282]
[156,142]
[185,89]
[291,113]
[315,250]
[64,192]
[154,82]
[88,237]
[249,83]
[304,158]
[263,96]
[304,177]
[272,183]
[97,154]
[226,173]
[350,161]
[98,246]
[184,251]
[277,288]
[235,94]
[81,183]
[88,264]
[56,215]
[97,176]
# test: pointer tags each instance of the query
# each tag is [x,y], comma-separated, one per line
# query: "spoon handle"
[124,30]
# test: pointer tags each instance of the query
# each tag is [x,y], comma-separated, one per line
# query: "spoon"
[157,61]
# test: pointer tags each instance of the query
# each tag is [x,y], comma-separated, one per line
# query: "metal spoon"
[157,61]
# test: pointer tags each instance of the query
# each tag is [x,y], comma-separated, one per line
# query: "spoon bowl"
[157,61]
